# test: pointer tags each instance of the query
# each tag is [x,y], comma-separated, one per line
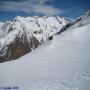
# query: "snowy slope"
[60,64]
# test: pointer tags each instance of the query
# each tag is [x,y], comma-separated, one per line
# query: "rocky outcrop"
[18,48]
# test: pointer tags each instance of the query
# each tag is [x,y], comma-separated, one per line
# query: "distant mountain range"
[23,34]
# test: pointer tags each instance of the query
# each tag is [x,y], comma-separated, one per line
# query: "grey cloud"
[29,6]
[46,9]
[42,1]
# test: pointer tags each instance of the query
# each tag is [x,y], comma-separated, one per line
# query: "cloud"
[42,1]
[30,6]
[45,9]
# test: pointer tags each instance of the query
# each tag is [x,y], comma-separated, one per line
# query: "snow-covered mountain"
[22,34]
[60,64]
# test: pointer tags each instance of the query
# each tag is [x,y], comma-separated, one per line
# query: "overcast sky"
[67,8]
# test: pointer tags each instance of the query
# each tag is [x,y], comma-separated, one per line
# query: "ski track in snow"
[79,79]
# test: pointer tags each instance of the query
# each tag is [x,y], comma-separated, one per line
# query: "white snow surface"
[1,24]
[60,64]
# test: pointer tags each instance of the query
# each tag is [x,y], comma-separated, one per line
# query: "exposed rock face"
[19,48]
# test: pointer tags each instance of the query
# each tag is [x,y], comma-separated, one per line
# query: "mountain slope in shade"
[81,21]
[60,64]
[23,34]
[84,19]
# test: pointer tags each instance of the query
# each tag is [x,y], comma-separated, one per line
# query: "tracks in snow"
[75,84]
